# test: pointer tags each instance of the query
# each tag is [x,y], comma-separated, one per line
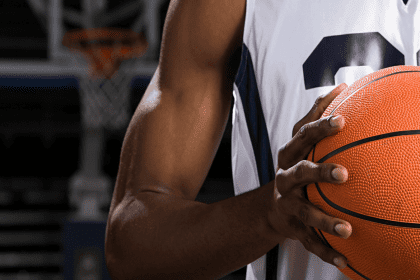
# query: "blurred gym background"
[41,135]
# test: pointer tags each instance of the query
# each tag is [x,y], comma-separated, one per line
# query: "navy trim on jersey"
[249,94]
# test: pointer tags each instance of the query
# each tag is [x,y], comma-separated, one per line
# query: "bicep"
[177,128]
[172,141]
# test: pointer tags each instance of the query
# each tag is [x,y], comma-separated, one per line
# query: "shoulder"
[202,34]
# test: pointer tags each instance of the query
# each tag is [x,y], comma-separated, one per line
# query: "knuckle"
[281,150]
[320,98]
[324,172]
[318,125]
[308,243]
[302,131]
[296,127]
[281,156]
[318,103]
[325,224]
[309,133]
[304,213]
[305,134]
[281,182]
[280,174]
[299,171]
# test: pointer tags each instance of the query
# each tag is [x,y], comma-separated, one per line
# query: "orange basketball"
[380,147]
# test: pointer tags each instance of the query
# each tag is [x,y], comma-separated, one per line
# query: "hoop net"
[105,91]
[105,102]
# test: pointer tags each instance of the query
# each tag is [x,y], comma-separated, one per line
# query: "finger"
[314,244]
[321,103]
[312,216]
[303,142]
[307,172]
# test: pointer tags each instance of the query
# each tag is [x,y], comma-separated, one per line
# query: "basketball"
[380,147]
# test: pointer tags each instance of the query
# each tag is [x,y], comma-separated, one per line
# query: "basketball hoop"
[105,95]
[106,48]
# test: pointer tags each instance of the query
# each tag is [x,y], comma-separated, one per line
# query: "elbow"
[113,260]
[110,260]
[112,267]
[120,266]
[120,270]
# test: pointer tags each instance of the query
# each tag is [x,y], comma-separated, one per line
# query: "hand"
[294,214]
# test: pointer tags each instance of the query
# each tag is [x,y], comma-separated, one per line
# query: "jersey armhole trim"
[250,4]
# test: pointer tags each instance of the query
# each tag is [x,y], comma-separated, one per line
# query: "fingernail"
[339,263]
[337,121]
[339,174]
[342,230]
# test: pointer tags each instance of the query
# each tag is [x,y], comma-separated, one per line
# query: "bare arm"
[155,228]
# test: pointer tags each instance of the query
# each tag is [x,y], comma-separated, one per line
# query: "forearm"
[191,240]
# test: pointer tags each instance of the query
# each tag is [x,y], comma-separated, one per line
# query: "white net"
[105,102]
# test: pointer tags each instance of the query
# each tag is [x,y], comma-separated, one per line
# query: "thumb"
[325,100]
[321,103]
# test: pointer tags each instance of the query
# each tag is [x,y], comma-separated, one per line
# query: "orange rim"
[132,42]
[103,55]
[73,38]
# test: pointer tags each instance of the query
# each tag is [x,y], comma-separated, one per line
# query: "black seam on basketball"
[345,99]
[364,217]
[366,140]
[348,265]
[351,145]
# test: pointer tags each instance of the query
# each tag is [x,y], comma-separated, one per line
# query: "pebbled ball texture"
[381,198]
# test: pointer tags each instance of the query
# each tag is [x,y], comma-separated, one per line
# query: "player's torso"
[300,49]
[293,52]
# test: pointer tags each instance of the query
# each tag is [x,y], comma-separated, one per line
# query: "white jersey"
[294,51]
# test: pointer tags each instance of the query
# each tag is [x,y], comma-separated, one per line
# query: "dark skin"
[155,229]
[293,173]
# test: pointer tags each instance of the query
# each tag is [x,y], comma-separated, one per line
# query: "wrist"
[273,212]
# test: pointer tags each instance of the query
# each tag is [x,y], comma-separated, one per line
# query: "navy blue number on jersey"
[334,52]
